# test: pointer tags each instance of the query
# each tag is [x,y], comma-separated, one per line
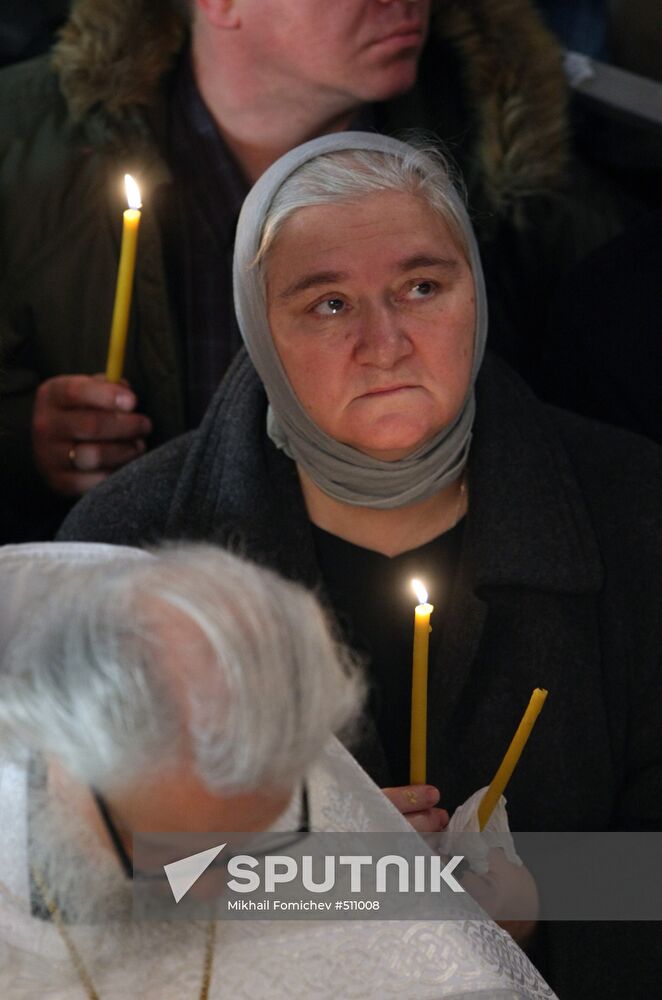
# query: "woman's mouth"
[387,390]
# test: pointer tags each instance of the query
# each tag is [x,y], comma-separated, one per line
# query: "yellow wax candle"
[513,753]
[124,287]
[419,687]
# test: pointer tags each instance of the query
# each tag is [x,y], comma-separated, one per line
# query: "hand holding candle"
[513,753]
[124,288]
[419,687]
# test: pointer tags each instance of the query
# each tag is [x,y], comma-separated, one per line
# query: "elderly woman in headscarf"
[363,441]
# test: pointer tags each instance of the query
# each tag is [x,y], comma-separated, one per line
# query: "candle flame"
[420,591]
[132,192]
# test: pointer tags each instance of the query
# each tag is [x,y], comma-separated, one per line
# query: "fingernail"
[431,795]
[124,401]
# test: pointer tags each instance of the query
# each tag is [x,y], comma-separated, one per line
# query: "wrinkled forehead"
[333,212]
[344,227]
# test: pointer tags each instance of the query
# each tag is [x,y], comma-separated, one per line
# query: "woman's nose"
[382,340]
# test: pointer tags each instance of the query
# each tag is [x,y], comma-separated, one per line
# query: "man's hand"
[83,428]
[416,803]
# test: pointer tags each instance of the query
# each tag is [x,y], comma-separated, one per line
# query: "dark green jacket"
[61,215]
[490,84]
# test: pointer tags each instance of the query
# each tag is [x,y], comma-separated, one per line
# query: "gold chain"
[77,961]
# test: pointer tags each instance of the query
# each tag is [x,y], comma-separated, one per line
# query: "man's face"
[354,50]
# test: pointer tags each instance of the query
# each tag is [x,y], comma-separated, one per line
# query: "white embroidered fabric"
[262,959]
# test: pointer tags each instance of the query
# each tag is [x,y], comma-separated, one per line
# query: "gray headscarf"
[340,471]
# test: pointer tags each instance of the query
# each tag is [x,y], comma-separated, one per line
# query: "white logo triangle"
[184,873]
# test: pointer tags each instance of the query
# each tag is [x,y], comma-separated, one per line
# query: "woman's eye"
[330,307]
[422,290]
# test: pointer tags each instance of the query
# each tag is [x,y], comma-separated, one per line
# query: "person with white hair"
[187,690]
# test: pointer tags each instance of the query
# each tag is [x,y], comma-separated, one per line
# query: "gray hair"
[261,685]
[348,175]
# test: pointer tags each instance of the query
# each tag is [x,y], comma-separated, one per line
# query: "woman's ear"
[220,13]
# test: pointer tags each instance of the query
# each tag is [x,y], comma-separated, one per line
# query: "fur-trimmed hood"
[113,53]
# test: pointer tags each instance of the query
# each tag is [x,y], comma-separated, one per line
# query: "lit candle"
[513,753]
[124,288]
[419,686]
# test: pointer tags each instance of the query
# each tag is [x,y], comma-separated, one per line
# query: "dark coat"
[602,356]
[559,586]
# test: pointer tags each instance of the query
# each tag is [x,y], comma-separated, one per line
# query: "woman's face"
[371,308]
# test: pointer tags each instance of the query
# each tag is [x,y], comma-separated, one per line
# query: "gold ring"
[72,457]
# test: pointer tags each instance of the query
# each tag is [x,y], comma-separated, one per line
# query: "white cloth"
[477,848]
[296,960]
[275,960]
